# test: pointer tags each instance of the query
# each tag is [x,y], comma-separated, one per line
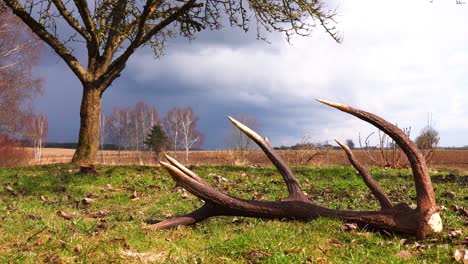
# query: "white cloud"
[399,59]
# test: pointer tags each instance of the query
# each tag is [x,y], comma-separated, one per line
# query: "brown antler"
[423,220]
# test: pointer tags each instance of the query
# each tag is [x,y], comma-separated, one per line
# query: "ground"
[52,213]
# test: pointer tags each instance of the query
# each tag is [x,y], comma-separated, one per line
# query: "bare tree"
[115,127]
[128,127]
[420,221]
[36,132]
[19,52]
[111,31]
[190,137]
[306,152]
[172,127]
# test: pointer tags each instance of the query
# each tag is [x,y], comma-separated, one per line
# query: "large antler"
[423,220]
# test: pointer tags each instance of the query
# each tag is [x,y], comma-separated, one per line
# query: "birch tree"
[19,52]
[190,137]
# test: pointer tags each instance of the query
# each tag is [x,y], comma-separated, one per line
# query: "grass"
[124,198]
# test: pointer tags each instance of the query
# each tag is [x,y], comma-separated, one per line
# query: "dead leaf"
[43,198]
[122,241]
[348,227]
[450,194]
[184,194]
[102,224]
[34,217]
[463,211]
[10,190]
[144,257]
[87,201]
[134,196]
[461,255]
[67,216]
[220,179]
[293,251]
[335,243]
[78,248]
[100,214]
[405,254]
[455,233]
[257,255]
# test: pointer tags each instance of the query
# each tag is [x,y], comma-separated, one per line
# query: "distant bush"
[12,153]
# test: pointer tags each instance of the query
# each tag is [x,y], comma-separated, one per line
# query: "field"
[443,158]
[53,214]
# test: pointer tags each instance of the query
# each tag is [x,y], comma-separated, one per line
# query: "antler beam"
[423,220]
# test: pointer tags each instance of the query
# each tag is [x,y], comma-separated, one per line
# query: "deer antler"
[423,220]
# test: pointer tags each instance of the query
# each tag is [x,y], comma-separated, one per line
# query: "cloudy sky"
[398,59]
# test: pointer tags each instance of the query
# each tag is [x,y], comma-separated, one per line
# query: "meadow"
[54,214]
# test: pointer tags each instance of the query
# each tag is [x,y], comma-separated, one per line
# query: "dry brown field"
[443,158]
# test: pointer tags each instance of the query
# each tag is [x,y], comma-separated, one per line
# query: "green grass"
[31,231]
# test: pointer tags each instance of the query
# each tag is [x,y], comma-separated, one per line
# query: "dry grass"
[442,158]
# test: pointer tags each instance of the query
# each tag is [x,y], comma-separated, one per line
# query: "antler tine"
[425,192]
[181,167]
[201,190]
[294,190]
[378,193]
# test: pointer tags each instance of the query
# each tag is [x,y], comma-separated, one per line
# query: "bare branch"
[71,20]
[50,39]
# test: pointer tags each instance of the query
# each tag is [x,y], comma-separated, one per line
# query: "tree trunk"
[88,142]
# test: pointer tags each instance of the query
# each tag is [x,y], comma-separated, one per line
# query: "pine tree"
[156,140]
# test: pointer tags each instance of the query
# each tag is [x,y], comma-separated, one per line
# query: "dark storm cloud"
[395,68]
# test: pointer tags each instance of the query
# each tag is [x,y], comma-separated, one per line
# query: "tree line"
[140,128]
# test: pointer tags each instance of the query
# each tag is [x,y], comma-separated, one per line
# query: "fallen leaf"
[100,214]
[34,217]
[220,179]
[461,255]
[67,216]
[87,201]
[184,194]
[102,224]
[405,254]
[144,257]
[293,251]
[10,190]
[455,233]
[43,198]
[450,194]
[348,227]
[335,243]
[257,255]
[78,248]
[404,241]
[134,196]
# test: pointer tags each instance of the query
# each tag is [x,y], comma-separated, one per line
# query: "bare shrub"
[306,153]
[386,153]
[241,147]
[12,154]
